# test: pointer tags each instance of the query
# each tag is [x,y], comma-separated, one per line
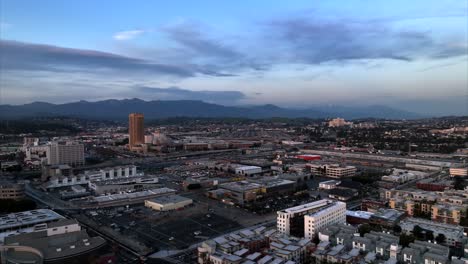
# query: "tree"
[440,239]
[405,239]
[417,232]
[316,240]
[397,229]
[429,235]
[364,229]
[459,183]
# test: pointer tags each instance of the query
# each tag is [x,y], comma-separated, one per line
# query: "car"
[171,238]
[197,233]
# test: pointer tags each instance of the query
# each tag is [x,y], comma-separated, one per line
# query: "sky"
[411,55]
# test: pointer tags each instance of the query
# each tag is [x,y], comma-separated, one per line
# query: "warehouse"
[168,203]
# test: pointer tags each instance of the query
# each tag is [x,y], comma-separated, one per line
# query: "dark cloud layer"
[311,41]
[176,93]
[27,56]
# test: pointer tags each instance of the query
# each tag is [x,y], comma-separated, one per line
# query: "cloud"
[190,37]
[36,57]
[315,41]
[176,93]
[130,34]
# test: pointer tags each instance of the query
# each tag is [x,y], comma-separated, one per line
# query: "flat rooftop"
[169,199]
[308,206]
[359,214]
[240,186]
[27,218]
[134,195]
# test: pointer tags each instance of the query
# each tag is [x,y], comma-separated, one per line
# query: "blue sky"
[406,54]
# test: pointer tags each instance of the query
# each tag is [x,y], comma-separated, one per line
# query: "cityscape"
[104,159]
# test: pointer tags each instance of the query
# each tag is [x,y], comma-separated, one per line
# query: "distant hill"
[119,110]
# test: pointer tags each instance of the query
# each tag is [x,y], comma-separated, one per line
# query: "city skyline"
[411,56]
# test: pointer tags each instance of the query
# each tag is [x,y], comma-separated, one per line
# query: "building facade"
[136,130]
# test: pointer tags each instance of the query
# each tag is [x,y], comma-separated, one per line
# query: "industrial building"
[168,203]
[129,198]
[131,184]
[248,170]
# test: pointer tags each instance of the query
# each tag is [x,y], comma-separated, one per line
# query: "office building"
[332,170]
[305,220]
[11,190]
[68,152]
[136,130]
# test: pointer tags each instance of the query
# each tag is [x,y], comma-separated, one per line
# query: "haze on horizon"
[412,55]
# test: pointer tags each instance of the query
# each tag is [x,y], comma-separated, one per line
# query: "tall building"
[338,122]
[70,153]
[307,219]
[136,130]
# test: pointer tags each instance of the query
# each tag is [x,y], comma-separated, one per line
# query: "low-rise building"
[168,203]
[58,241]
[453,234]
[254,245]
[328,185]
[26,222]
[386,218]
[248,170]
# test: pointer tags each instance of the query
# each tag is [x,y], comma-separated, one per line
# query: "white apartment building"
[331,214]
[292,221]
[70,153]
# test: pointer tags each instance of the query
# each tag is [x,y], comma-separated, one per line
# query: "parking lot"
[165,230]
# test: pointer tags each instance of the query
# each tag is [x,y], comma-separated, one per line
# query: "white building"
[458,172]
[94,175]
[292,221]
[167,203]
[70,153]
[331,214]
[328,185]
[248,170]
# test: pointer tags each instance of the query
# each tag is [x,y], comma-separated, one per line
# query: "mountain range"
[119,110]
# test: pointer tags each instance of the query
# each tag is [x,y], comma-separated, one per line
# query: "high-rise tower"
[136,130]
